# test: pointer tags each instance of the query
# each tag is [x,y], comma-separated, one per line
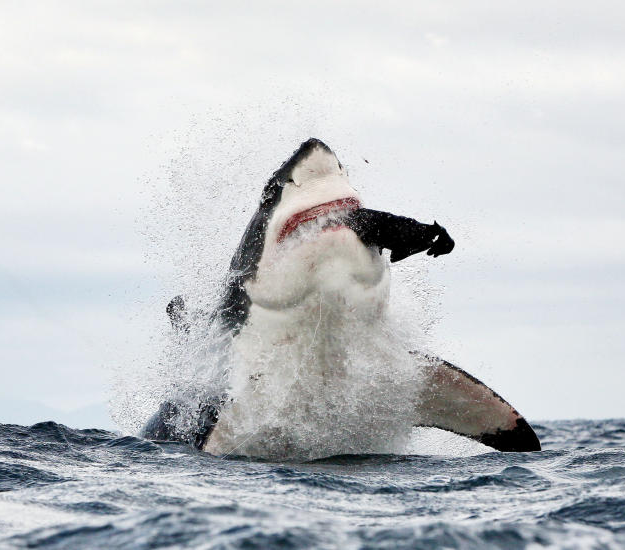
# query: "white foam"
[201,217]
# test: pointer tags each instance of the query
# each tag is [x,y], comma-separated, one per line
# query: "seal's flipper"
[402,236]
[453,400]
[443,244]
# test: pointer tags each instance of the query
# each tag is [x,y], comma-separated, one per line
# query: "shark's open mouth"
[334,208]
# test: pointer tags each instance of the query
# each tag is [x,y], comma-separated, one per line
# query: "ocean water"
[65,488]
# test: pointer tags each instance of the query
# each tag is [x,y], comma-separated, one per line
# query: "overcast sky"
[504,121]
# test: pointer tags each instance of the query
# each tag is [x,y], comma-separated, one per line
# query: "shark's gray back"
[233,309]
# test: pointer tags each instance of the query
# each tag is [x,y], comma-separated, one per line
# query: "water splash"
[199,208]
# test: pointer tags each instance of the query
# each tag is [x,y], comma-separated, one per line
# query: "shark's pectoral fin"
[453,400]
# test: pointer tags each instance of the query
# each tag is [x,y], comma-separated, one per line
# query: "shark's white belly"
[302,383]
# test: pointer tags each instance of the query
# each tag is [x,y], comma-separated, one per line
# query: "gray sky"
[504,121]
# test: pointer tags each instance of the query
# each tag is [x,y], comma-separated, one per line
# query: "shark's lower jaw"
[329,215]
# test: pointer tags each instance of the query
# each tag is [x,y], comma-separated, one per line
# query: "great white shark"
[308,275]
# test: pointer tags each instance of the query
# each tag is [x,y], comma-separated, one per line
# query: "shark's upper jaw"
[333,208]
[314,195]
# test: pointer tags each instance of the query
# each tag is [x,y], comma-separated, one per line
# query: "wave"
[67,488]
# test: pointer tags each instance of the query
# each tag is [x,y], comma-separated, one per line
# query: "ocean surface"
[65,488]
